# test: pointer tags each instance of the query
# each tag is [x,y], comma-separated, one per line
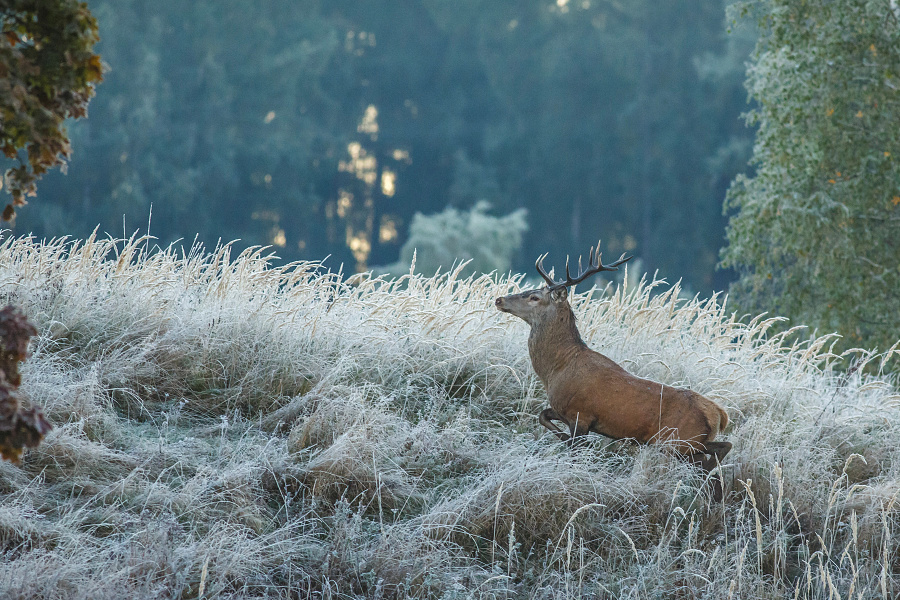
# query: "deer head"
[539,305]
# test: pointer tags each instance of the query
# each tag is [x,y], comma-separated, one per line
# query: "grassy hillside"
[229,430]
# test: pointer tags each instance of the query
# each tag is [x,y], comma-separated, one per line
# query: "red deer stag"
[590,392]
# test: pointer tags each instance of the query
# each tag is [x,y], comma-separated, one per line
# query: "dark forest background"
[321,128]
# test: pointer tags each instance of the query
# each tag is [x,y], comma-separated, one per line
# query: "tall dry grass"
[229,429]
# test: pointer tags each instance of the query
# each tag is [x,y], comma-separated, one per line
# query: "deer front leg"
[546,418]
[578,429]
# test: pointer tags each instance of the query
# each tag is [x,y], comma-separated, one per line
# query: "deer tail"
[723,418]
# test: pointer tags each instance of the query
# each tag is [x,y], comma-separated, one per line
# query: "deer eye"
[534,298]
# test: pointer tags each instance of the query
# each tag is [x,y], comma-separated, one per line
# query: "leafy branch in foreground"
[18,427]
[815,232]
[47,74]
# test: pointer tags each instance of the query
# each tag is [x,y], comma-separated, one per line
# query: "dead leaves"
[19,427]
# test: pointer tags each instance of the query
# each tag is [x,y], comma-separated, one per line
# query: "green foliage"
[815,235]
[47,74]
[439,241]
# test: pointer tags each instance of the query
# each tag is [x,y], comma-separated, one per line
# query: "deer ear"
[559,295]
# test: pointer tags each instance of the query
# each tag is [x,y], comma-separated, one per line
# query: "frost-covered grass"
[225,429]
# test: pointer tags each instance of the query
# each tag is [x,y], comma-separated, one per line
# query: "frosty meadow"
[229,429]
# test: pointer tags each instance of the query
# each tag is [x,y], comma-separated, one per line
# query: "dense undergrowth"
[225,429]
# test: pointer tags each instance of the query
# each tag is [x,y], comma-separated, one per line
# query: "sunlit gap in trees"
[354,209]
[356,43]
[388,179]
[563,6]
[277,235]
[355,205]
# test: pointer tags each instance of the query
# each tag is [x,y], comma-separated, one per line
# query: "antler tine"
[621,260]
[539,265]
[594,266]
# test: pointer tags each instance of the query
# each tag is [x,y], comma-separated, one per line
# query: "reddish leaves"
[19,428]
[47,74]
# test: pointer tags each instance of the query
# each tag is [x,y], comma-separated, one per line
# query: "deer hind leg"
[546,418]
[699,459]
[716,452]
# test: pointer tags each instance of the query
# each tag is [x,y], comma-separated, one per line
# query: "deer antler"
[594,266]
[539,265]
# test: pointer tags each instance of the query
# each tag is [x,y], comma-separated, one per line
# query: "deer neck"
[553,342]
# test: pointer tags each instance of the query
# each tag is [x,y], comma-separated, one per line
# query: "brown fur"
[590,392]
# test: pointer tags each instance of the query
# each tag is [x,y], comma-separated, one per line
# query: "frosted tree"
[815,235]
[451,236]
